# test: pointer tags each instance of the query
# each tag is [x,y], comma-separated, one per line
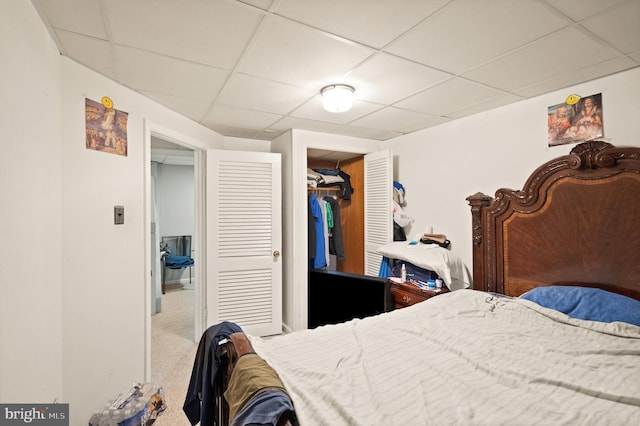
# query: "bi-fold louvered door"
[244,265]
[378,209]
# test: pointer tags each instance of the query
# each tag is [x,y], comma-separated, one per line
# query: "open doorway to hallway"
[173,289]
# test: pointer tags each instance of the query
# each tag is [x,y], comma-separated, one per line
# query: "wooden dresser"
[406,294]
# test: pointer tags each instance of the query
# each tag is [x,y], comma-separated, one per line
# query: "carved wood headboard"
[576,221]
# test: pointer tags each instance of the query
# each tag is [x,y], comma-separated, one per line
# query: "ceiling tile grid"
[254,68]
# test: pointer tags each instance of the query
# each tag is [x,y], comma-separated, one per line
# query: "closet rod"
[324,191]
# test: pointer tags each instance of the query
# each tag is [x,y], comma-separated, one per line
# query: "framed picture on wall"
[575,123]
[106,127]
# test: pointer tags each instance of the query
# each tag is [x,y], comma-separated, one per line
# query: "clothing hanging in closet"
[325,232]
[317,257]
[336,244]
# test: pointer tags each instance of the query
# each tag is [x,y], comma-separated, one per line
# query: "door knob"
[276,253]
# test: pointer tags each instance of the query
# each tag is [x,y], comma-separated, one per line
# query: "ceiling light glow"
[337,97]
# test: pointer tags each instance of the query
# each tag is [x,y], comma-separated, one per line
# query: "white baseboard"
[286,329]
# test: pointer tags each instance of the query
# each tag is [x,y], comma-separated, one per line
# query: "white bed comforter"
[462,358]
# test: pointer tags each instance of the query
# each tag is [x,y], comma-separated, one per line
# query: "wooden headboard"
[576,221]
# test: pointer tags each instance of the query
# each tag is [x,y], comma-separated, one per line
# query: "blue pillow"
[592,304]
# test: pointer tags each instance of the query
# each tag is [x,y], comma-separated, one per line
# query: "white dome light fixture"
[337,97]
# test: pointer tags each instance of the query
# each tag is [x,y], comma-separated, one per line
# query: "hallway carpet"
[173,351]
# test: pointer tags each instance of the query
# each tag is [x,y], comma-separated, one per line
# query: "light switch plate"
[118,215]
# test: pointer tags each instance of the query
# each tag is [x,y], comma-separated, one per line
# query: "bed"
[576,220]
[535,341]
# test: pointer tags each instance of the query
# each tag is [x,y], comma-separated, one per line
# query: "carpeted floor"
[173,350]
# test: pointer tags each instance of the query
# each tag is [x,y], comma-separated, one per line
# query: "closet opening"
[347,286]
[344,252]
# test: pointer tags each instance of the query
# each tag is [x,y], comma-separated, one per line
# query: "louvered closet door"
[244,235]
[378,209]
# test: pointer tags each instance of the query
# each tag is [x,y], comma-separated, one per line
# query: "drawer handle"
[406,299]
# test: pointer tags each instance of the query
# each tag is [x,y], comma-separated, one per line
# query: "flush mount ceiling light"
[337,97]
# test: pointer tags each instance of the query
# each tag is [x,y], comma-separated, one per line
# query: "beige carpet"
[173,351]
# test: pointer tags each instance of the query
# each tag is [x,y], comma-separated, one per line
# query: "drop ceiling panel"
[261,4]
[222,115]
[372,23]
[453,95]
[249,68]
[429,122]
[152,72]
[313,110]
[191,108]
[580,9]
[62,14]
[557,54]
[92,52]
[190,31]
[391,118]
[619,27]
[245,91]
[485,105]
[294,54]
[386,79]
[589,73]
[302,123]
[456,38]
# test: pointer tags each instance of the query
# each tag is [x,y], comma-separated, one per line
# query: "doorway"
[172,217]
[168,142]
[173,288]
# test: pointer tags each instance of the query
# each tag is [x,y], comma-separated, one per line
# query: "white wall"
[243,144]
[441,166]
[72,322]
[175,192]
[30,212]
[104,266]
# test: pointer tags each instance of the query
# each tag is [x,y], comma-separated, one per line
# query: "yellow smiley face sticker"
[572,99]
[107,102]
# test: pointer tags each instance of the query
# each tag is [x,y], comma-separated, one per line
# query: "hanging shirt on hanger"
[336,243]
[325,227]
[319,260]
